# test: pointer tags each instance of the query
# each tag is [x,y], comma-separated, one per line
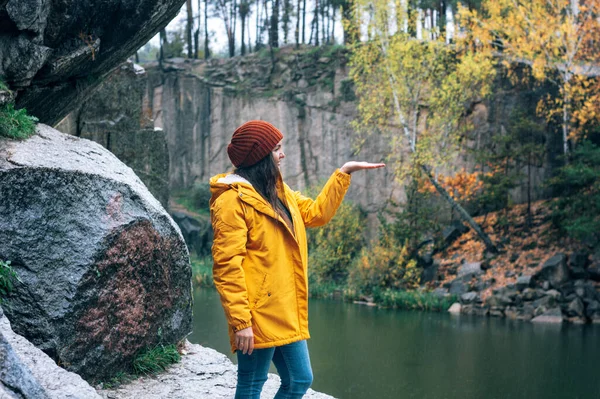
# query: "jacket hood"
[226,181]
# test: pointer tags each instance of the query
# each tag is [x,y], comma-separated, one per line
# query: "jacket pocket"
[263,293]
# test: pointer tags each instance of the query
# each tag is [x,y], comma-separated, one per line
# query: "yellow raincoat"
[260,264]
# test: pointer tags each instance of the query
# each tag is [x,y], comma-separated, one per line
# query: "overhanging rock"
[104,269]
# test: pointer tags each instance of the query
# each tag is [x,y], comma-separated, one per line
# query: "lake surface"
[362,352]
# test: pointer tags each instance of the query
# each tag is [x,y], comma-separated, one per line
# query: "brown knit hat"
[251,142]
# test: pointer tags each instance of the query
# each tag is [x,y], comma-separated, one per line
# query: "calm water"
[361,352]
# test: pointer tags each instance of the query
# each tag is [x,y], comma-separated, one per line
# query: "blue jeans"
[293,366]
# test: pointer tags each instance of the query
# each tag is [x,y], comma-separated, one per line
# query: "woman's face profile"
[278,154]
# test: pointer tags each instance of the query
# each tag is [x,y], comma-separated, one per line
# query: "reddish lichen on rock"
[135,291]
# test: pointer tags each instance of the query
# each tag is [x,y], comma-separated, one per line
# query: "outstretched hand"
[353,166]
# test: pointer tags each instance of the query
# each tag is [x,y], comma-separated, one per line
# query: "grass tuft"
[7,278]
[15,123]
[157,359]
[202,271]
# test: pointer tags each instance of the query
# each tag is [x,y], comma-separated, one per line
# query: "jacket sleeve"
[319,211]
[229,251]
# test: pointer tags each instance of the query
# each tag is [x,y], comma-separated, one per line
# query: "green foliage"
[119,379]
[148,53]
[195,199]
[154,360]
[202,273]
[16,124]
[334,246]
[523,144]
[347,90]
[577,211]
[413,300]
[385,265]
[3,85]
[417,218]
[7,278]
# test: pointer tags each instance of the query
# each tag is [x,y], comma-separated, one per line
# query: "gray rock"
[455,308]
[511,312]
[452,232]
[578,260]
[531,294]
[499,301]
[554,271]
[203,373]
[553,316]
[523,282]
[196,232]
[470,269]
[592,308]
[458,287]
[576,308]
[469,297]
[27,372]
[58,51]
[114,117]
[526,312]
[104,269]
[594,272]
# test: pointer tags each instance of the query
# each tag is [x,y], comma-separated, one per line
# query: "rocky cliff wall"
[53,53]
[113,117]
[308,95]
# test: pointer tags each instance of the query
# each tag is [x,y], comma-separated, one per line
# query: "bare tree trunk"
[188,29]
[461,212]
[316,22]
[206,49]
[274,31]
[333,26]
[163,41]
[243,49]
[565,126]
[297,31]
[303,21]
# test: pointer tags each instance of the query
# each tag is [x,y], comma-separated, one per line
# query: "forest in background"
[401,55]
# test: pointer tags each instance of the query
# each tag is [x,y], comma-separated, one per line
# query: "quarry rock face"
[53,53]
[104,271]
[112,116]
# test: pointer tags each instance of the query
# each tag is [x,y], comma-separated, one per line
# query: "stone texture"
[469,269]
[455,308]
[113,117]
[523,282]
[203,373]
[553,316]
[104,269]
[197,232]
[55,52]
[199,105]
[27,372]
[554,271]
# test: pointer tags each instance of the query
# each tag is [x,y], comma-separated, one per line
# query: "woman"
[260,258]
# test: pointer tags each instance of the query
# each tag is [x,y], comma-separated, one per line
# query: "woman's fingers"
[244,340]
[353,166]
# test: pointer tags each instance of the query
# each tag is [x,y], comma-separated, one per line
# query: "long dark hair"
[264,177]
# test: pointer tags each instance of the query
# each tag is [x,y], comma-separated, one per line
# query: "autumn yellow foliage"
[558,39]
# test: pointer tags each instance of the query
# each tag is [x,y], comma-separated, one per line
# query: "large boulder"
[104,269]
[55,52]
[554,271]
[27,372]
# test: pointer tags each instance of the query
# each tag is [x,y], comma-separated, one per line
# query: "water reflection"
[361,352]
